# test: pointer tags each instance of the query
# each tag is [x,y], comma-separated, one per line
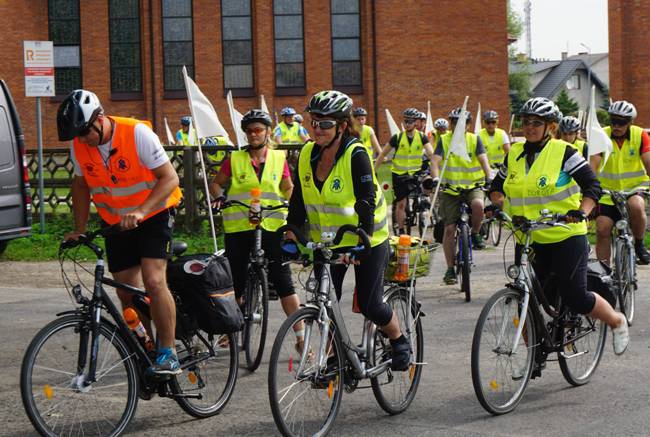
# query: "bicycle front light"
[464,217]
[513,271]
[621,225]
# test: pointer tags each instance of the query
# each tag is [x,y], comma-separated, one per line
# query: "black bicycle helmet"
[623,109]
[541,107]
[76,113]
[255,116]
[569,124]
[359,112]
[490,115]
[330,103]
[454,114]
[411,113]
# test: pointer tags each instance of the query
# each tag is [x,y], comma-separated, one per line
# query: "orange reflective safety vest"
[121,184]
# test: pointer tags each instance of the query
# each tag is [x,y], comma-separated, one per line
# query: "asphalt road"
[615,402]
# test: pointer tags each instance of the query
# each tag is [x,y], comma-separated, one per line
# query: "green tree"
[515,24]
[567,105]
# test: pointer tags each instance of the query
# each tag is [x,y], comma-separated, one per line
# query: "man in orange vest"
[120,164]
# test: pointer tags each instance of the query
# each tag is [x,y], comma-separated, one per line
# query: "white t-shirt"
[150,152]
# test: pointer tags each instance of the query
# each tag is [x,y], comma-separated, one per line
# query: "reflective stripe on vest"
[290,134]
[408,156]
[333,206]
[243,179]
[624,170]
[494,145]
[527,193]
[461,173]
[125,184]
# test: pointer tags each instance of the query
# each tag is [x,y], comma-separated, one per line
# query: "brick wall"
[439,53]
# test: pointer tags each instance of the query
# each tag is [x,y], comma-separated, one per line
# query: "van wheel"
[3,246]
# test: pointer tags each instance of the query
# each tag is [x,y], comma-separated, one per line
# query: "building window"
[178,42]
[124,37]
[237,37]
[65,33]
[346,44]
[289,45]
[574,82]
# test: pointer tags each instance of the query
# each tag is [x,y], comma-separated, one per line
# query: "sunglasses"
[533,123]
[409,121]
[323,124]
[619,121]
[491,122]
[255,130]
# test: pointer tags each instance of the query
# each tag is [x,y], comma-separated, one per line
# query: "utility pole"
[529,43]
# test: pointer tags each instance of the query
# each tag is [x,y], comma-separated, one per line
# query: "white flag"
[597,139]
[191,135]
[428,127]
[477,125]
[170,137]
[204,117]
[236,117]
[263,106]
[458,141]
[392,126]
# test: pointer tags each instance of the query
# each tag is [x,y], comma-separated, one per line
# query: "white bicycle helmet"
[541,107]
[76,113]
[622,108]
[441,123]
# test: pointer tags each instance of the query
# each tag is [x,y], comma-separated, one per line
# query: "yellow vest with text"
[408,157]
[243,179]
[460,173]
[544,186]
[290,134]
[494,146]
[624,170]
[333,206]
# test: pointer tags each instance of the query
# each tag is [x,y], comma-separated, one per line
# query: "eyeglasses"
[490,122]
[409,121]
[533,123]
[255,130]
[619,121]
[323,124]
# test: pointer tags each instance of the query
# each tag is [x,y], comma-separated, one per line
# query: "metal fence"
[58,172]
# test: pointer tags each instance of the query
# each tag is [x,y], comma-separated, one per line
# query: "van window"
[7,142]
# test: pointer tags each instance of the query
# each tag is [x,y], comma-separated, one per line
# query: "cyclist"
[368,137]
[120,164]
[182,135]
[627,168]
[569,129]
[495,140]
[288,132]
[217,156]
[334,175]
[460,174]
[407,161]
[266,168]
[440,127]
[545,173]
[421,122]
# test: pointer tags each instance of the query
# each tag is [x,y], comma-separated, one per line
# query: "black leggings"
[238,249]
[369,282]
[568,260]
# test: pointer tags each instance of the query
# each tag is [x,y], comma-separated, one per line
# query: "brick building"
[384,53]
[629,54]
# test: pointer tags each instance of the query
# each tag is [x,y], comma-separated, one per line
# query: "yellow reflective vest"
[408,156]
[290,134]
[460,173]
[494,145]
[366,139]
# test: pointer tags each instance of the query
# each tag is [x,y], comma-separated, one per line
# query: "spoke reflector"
[290,364]
[494,385]
[48,391]
[192,377]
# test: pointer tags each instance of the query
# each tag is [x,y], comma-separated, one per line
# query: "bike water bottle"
[403,256]
[255,209]
[133,321]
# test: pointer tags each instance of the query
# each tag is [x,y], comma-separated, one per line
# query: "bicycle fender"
[516,287]
[77,311]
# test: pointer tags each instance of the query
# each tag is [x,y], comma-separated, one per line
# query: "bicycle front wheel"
[53,386]
[207,384]
[305,394]
[257,317]
[495,229]
[464,262]
[624,259]
[582,348]
[500,373]
[393,390]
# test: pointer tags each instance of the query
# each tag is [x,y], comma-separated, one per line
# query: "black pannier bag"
[204,283]
[599,280]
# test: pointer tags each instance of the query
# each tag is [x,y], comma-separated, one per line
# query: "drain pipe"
[375,95]
[152,66]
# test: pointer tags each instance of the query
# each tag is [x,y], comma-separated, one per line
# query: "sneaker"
[642,255]
[477,242]
[450,276]
[621,336]
[166,364]
[400,353]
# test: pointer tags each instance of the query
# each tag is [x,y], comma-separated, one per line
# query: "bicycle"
[306,386]
[463,261]
[624,253]
[83,373]
[514,336]
[416,212]
[491,230]
[256,297]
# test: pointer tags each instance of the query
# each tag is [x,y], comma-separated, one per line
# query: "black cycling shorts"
[403,184]
[151,239]
[609,211]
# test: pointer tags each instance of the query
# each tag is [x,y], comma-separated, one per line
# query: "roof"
[589,59]
[533,67]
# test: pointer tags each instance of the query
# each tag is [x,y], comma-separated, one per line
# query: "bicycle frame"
[463,221]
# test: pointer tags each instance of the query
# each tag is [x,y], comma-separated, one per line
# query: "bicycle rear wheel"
[463,260]
[624,259]
[583,344]
[52,383]
[207,385]
[393,390]
[305,396]
[257,317]
[499,373]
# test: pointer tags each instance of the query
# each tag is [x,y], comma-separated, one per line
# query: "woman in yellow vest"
[569,130]
[545,173]
[258,166]
[334,173]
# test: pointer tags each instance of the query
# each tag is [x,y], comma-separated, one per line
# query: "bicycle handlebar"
[478,186]
[545,220]
[87,238]
[229,203]
[340,233]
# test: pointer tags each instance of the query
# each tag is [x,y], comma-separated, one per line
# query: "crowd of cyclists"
[122,167]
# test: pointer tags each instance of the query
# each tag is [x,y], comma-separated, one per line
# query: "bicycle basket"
[424,263]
